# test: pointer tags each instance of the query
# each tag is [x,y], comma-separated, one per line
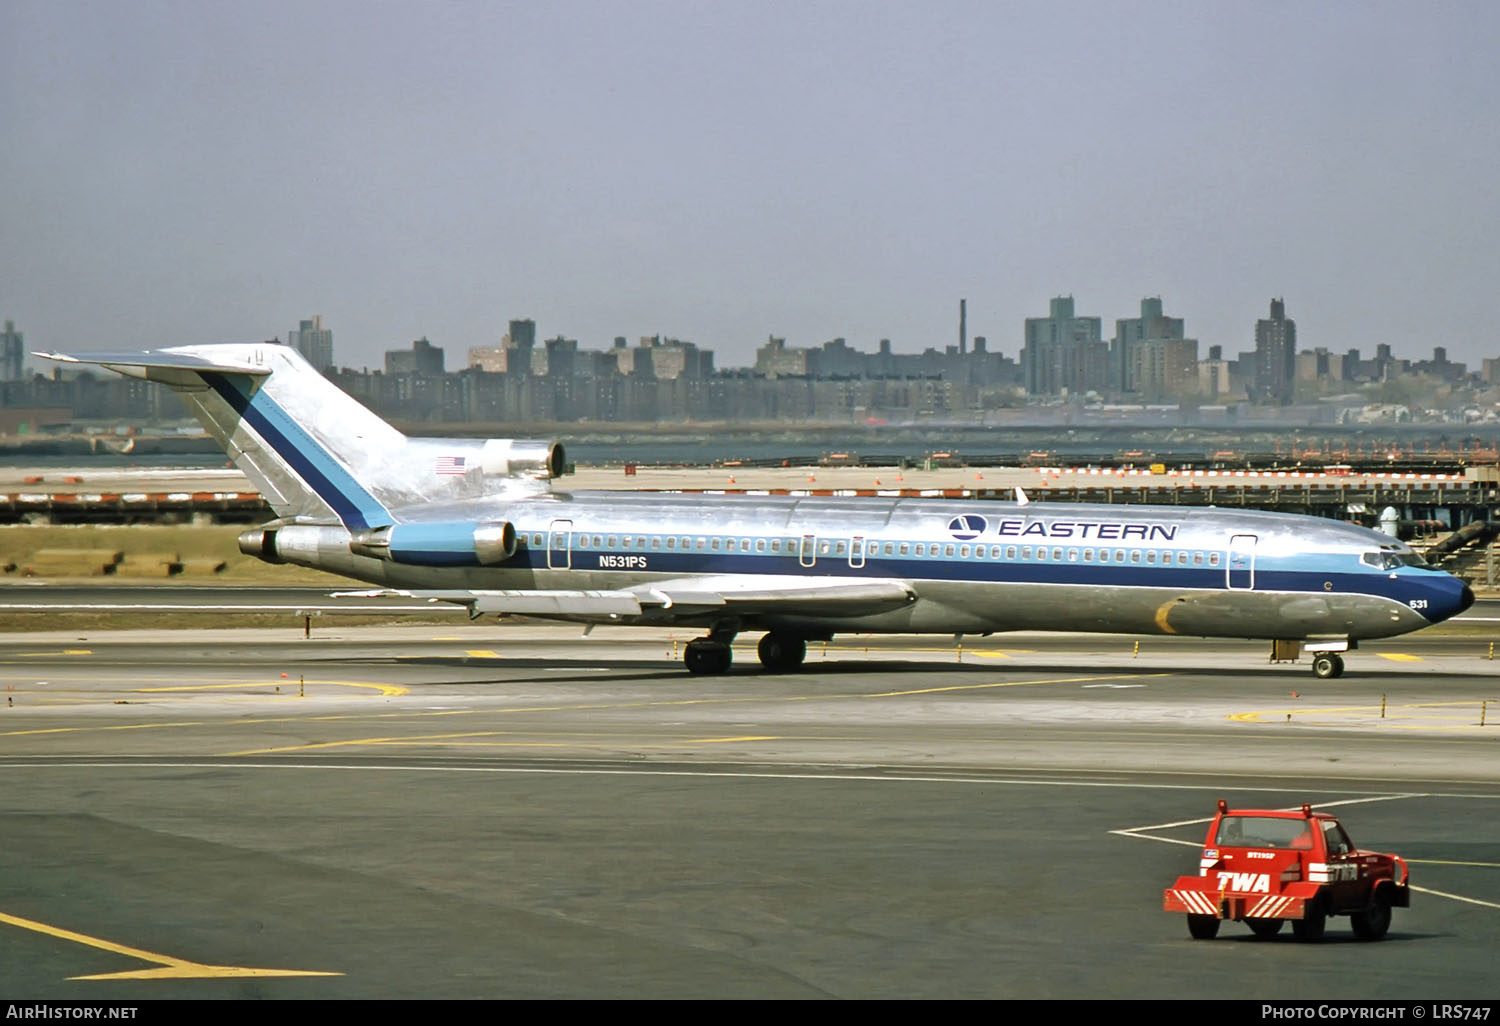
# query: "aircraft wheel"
[1203,927]
[707,658]
[781,652]
[1328,665]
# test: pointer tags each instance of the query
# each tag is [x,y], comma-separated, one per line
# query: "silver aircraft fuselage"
[974,566]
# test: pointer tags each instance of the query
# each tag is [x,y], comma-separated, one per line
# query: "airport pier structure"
[1440,500]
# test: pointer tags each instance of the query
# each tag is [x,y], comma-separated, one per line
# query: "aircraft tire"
[707,658]
[781,652]
[1328,665]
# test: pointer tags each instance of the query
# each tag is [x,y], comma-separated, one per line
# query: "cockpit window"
[1392,560]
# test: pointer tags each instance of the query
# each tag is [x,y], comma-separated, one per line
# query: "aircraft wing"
[812,596]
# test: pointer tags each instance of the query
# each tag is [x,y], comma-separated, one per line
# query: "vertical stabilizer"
[313,451]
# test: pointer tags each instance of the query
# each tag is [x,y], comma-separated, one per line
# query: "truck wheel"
[1313,923]
[1265,929]
[1203,927]
[1371,922]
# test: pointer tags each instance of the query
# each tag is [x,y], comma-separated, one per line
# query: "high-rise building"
[12,353]
[314,342]
[1131,335]
[422,358]
[1275,356]
[1064,353]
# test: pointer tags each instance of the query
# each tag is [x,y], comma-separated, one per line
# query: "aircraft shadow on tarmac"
[557,671]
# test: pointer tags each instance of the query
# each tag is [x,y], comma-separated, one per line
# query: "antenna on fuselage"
[1021,499]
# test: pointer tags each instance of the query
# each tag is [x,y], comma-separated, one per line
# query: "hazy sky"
[719,171]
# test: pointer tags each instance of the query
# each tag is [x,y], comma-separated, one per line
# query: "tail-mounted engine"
[451,544]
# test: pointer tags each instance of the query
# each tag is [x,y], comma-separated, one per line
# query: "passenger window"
[1151,558]
[536,539]
[823,549]
[1197,559]
[699,545]
[948,550]
[671,543]
[1213,559]
[1057,555]
[714,544]
[1072,555]
[963,551]
[760,544]
[1010,552]
[1041,554]
[838,550]
[1135,555]
[1088,555]
[905,548]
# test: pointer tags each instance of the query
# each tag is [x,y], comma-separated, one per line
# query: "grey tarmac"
[514,811]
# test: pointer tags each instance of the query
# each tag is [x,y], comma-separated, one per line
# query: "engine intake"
[523,457]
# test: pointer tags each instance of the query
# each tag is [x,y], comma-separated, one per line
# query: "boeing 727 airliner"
[479,523]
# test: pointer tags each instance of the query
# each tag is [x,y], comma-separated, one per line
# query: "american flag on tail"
[451,465]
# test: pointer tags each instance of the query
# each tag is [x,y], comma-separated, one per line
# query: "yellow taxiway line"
[169,968]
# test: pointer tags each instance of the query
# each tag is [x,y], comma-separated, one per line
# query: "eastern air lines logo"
[967,527]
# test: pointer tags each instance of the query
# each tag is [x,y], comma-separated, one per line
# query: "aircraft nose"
[1465,598]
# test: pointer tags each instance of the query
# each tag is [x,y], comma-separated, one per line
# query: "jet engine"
[440,544]
[523,457]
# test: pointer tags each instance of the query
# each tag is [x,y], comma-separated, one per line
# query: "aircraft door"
[808,555]
[560,545]
[1240,570]
[856,552]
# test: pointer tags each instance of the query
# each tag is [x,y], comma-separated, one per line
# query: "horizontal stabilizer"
[159,359]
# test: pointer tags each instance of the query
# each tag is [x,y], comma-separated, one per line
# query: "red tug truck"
[1265,868]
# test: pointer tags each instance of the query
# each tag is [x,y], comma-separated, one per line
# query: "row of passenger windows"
[879,549]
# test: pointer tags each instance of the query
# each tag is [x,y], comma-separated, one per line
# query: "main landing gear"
[708,656]
[712,656]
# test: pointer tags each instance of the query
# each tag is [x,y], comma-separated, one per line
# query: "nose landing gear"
[1327,665]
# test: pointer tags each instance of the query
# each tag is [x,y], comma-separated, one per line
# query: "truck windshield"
[1263,832]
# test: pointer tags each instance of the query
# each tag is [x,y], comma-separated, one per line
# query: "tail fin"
[315,453]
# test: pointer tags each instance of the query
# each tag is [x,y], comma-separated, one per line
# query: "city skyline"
[725,173]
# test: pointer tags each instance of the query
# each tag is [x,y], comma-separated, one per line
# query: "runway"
[482,811]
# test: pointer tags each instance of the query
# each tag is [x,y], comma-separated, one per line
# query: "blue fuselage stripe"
[1401,588]
[355,506]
